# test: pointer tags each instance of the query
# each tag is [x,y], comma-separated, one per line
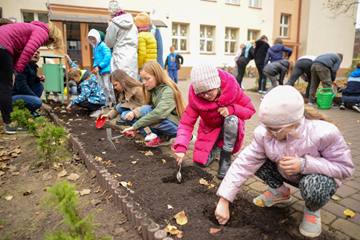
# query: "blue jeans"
[32,102]
[350,99]
[173,74]
[123,111]
[164,127]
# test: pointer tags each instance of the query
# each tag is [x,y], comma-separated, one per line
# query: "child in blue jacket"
[91,96]
[173,62]
[275,53]
[102,60]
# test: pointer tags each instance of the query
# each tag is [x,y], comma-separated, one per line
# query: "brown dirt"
[25,217]
[155,187]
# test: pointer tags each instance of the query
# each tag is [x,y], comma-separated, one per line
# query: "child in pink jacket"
[217,98]
[294,145]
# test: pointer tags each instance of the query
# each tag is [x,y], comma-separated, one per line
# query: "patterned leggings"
[315,189]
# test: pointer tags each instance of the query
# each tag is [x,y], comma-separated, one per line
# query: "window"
[0,13]
[206,38]
[232,1]
[180,36]
[254,3]
[284,25]
[33,16]
[253,35]
[230,40]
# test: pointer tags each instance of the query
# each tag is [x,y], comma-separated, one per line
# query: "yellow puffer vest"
[147,50]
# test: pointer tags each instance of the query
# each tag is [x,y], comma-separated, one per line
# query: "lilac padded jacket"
[321,144]
[22,40]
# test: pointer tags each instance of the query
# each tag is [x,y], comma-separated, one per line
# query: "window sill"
[214,1]
[285,38]
[183,52]
[207,53]
[229,54]
[233,4]
[255,7]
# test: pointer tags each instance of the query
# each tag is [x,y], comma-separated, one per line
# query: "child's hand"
[96,70]
[179,157]
[128,130]
[68,58]
[69,107]
[222,212]
[105,116]
[130,116]
[223,111]
[41,78]
[290,165]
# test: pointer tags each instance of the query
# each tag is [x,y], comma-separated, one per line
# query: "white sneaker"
[97,113]
[56,98]
[150,137]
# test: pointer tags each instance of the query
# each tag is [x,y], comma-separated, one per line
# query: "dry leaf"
[1,226]
[73,177]
[134,162]
[171,229]
[349,143]
[2,173]
[149,153]
[62,173]
[130,184]
[349,213]
[46,176]
[124,184]
[358,121]
[181,218]
[63,111]
[17,151]
[27,193]
[214,230]
[335,198]
[56,165]
[3,165]
[15,173]
[260,203]
[85,192]
[103,153]
[180,234]
[37,213]
[83,133]
[71,120]
[211,186]
[203,182]
[13,139]
[163,160]
[169,206]
[8,198]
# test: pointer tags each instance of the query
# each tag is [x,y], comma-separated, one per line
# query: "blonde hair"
[55,38]
[73,72]
[4,21]
[156,70]
[127,83]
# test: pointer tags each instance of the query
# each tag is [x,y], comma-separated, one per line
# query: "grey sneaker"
[271,197]
[342,106]
[311,102]
[97,113]
[310,225]
[356,107]
[13,129]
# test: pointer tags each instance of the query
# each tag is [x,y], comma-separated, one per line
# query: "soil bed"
[155,187]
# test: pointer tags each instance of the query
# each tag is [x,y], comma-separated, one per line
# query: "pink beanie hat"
[114,7]
[204,77]
[282,107]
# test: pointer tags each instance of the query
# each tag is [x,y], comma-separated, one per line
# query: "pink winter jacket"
[22,40]
[320,143]
[211,122]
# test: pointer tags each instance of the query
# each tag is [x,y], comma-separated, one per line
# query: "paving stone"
[345,191]
[298,206]
[298,195]
[298,217]
[353,184]
[336,209]
[356,173]
[355,219]
[327,217]
[258,186]
[352,204]
[249,181]
[340,236]
[356,196]
[347,227]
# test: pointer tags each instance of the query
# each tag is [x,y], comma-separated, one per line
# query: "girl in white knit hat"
[294,145]
[217,98]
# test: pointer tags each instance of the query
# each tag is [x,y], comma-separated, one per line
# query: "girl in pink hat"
[295,145]
[217,98]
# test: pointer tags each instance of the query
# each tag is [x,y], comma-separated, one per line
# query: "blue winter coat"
[275,53]
[101,52]
[26,80]
[353,84]
[155,31]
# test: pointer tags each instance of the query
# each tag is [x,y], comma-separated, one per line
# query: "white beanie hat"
[114,7]
[282,107]
[204,77]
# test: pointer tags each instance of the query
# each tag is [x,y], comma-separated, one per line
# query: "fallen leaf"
[2,173]
[214,230]
[71,120]
[37,213]
[349,143]
[85,192]
[17,151]
[349,213]
[27,193]
[149,153]
[45,189]
[63,111]
[180,234]
[181,218]
[134,162]
[56,165]
[13,139]
[260,203]
[62,173]
[8,198]
[95,202]
[124,184]
[103,153]
[169,206]
[335,198]
[83,133]
[92,174]
[101,139]
[358,121]
[73,177]
[15,173]
[46,176]
[163,160]
[3,165]
[211,186]
[130,184]
[171,229]
[5,158]
[203,182]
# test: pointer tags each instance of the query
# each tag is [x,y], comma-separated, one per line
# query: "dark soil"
[155,187]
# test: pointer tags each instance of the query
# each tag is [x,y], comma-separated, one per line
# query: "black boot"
[121,122]
[224,163]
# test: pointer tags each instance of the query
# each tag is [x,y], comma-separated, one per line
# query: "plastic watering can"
[324,99]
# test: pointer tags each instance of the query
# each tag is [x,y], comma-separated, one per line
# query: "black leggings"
[315,189]
[6,84]
[302,66]
[90,106]
[262,78]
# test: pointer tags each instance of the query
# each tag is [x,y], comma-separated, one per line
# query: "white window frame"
[229,40]
[36,17]
[206,39]
[232,1]
[254,3]
[252,31]
[284,26]
[179,37]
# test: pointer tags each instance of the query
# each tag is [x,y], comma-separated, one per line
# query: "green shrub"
[51,140]
[352,66]
[63,196]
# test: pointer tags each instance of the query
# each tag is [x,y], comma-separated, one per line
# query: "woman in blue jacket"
[102,62]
